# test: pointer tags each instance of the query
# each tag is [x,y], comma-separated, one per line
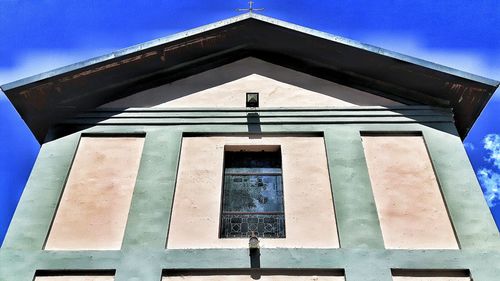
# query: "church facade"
[251,149]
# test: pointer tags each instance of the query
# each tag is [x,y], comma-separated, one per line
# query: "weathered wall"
[362,256]
[309,213]
[94,207]
[409,202]
[226,87]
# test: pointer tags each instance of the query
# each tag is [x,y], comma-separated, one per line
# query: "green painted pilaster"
[149,214]
[34,214]
[357,219]
[469,213]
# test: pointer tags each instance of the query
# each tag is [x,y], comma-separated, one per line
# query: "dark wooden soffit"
[45,99]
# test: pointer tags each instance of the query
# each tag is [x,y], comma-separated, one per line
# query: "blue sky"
[37,36]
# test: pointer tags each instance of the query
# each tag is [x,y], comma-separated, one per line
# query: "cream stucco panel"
[94,207]
[409,203]
[226,86]
[309,213]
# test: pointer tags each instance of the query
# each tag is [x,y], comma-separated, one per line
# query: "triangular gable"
[47,98]
[227,85]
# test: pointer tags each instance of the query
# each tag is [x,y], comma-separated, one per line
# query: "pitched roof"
[45,98]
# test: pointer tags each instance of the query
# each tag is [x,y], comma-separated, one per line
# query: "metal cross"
[250,8]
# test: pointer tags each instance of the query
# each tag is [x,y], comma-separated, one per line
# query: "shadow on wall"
[225,87]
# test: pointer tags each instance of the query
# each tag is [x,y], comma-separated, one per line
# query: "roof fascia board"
[378,50]
[284,24]
[123,52]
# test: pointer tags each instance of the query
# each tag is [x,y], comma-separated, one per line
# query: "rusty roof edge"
[122,52]
[320,34]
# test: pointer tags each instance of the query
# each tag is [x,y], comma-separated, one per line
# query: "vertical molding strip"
[150,211]
[357,219]
[37,207]
[469,213]
[149,214]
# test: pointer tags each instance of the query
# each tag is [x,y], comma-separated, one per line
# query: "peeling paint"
[37,96]
[202,41]
[108,66]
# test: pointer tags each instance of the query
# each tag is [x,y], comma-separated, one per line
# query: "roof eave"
[47,97]
[178,36]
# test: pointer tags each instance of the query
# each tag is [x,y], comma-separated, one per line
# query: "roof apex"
[238,18]
[45,98]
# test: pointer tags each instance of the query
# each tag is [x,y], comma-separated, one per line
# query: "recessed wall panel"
[308,204]
[430,275]
[427,278]
[74,278]
[248,277]
[409,203]
[94,207]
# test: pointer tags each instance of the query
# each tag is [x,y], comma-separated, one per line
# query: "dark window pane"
[252,159]
[252,195]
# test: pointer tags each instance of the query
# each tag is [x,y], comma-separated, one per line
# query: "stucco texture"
[94,207]
[409,203]
[226,86]
[309,212]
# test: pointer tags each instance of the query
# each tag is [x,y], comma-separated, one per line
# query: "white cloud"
[490,178]
[490,182]
[492,146]
[42,61]
[462,59]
